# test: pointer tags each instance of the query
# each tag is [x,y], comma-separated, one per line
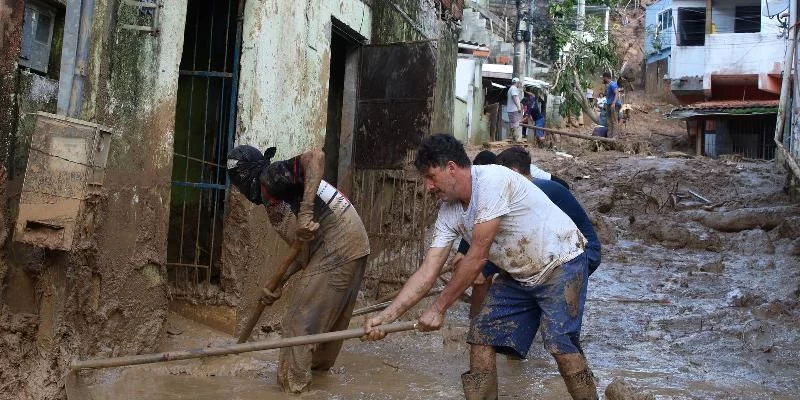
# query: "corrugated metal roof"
[726,107]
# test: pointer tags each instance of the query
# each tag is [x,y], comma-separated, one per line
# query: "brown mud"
[683,306]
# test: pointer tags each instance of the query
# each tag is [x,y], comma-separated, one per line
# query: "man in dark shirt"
[519,160]
[557,191]
[303,207]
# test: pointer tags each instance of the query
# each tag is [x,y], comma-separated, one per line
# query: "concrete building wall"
[110,297]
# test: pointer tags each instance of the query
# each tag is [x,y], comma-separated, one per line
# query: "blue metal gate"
[204,130]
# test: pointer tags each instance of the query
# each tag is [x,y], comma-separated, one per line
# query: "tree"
[583,57]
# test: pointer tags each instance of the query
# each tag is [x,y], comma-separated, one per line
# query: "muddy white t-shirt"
[539,173]
[534,236]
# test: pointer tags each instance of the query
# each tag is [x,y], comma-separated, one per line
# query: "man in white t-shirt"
[507,219]
[514,109]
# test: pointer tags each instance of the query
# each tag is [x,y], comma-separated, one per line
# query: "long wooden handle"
[271,285]
[236,348]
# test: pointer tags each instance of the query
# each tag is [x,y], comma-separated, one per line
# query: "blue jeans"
[512,312]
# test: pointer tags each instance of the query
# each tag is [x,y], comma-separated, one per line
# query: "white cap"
[514,80]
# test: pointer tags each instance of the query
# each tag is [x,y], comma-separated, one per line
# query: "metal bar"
[206,74]
[235,80]
[187,265]
[197,249]
[235,348]
[198,185]
[188,137]
[198,160]
[227,37]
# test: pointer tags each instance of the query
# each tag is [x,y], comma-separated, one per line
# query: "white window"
[665,19]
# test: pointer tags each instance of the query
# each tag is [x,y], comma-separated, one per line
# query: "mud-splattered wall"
[283,91]
[282,102]
[109,297]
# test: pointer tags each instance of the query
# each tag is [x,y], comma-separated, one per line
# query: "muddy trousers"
[322,302]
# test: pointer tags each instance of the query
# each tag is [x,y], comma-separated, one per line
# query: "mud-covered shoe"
[479,385]
[577,376]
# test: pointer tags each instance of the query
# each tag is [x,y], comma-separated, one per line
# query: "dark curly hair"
[436,150]
[516,157]
[485,157]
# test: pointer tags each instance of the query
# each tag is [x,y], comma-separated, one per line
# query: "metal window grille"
[397,213]
[204,129]
[752,136]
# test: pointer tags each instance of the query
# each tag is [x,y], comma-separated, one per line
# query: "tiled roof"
[729,105]
[726,107]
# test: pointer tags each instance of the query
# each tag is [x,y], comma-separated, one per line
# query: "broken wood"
[707,201]
[765,218]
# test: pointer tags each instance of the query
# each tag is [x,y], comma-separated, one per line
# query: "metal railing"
[398,214]
[204,129]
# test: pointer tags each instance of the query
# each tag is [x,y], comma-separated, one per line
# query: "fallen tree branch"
[765,218]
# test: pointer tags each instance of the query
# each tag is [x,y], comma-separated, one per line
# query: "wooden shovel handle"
[271,285]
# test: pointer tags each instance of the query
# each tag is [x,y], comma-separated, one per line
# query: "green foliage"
[581,62]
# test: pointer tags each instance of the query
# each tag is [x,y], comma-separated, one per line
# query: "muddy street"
[678,309]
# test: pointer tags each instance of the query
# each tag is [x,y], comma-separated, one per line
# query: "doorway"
[341,101]
[204,130]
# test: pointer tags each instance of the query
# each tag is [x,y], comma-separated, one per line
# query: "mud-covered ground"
[697,298]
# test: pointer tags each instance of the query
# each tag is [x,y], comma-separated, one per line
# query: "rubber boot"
[479,385]
[577,376]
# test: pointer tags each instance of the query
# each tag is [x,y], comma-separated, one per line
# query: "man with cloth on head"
[514,110]
[507,219]
[301,206]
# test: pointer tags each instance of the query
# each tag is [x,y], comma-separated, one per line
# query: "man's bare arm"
[313,163]
[412,292]
[470,266]
[419,283]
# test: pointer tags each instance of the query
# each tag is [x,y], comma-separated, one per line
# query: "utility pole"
[531,9]
[581,16]
[519,46]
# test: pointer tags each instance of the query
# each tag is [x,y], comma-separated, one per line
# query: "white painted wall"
[687,61]
[285,65]
[727,53]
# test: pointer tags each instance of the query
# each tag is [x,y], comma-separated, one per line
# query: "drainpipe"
[784,100]
[606,21]
[531,9]
[708,16]
[82,59]
[72,20]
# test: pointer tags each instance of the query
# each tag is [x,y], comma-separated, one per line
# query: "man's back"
[562,198]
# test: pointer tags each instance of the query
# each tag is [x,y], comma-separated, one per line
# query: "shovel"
[270,287]
[77,389]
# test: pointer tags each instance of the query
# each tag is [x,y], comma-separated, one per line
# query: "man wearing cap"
[514,109]
[301,206]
